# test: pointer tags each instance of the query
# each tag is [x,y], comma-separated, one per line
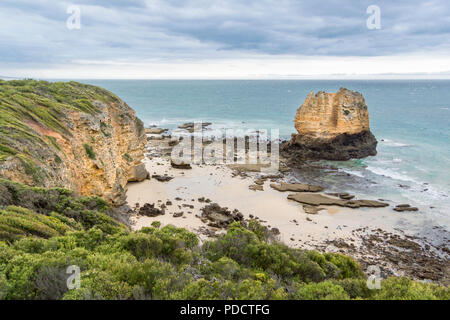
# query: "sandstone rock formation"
[332,126]
[296,187]
[70,135]
[314,199]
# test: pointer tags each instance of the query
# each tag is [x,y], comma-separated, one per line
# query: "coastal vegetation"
[72,131]
[45,104]
[43,231]
[71,135]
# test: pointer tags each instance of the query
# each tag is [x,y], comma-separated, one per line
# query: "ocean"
[409,118]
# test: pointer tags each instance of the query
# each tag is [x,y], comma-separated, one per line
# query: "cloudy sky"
[224,39]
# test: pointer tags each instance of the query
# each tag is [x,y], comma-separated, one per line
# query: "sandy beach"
[367,234]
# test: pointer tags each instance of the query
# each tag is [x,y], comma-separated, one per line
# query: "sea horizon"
[403,167]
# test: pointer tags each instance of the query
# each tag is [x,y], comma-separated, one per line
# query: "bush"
[406,289]
[89,151]
[325,290]
[167,262]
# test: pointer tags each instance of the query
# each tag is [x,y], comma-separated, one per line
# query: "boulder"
[160,178]
[405,207]
[138,173]
[220,217]
[150,210]
[180,165]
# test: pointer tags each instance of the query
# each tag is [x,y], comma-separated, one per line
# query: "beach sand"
[333,229]
[270,206]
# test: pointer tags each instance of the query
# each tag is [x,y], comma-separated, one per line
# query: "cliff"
[332,126]
[69,135]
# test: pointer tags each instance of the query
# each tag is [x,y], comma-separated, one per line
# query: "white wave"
[352,172]
[391,143]
[390,174]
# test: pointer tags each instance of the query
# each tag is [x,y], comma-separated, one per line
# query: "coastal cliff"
[332,126]
[70,135]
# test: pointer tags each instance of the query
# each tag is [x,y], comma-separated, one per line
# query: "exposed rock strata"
[319,199]
[70,135]
[296,187]
[331,126]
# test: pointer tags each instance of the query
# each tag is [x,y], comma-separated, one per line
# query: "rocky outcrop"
[296,187]
[70,135]
[331,126]
[314,199]
[219,217]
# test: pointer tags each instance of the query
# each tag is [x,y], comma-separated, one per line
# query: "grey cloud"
[175,29]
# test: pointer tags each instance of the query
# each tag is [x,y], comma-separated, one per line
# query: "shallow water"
[409,118]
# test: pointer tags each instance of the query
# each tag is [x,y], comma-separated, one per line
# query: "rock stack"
[331,126]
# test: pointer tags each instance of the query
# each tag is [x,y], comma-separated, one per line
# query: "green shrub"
[406,289]
[325,290]
[163,263]
[89,151]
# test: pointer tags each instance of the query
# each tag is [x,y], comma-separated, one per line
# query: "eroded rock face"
[84,139]
[332,126]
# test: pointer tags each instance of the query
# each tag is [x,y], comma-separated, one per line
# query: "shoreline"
[373,236]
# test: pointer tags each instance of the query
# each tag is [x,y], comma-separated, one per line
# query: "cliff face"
[332,126]
[70,135]
[326,115]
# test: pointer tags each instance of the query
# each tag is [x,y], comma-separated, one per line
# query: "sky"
[224,39]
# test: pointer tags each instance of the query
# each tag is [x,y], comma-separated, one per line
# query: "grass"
[41,212]
[89,151]
[46,104]
[127,157]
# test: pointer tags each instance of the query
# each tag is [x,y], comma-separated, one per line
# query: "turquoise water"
[411,120]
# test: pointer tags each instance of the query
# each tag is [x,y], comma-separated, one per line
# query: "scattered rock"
[248,167]
[311,209]
[190,125]
[155,130]
[149,210]
[154,137]
[405,207]
[260,181]
[275,231]
[256,187]
[180,165]
[177,214]
[220,217]
[319,199]
[209,232]
[164,178]
[296,187]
